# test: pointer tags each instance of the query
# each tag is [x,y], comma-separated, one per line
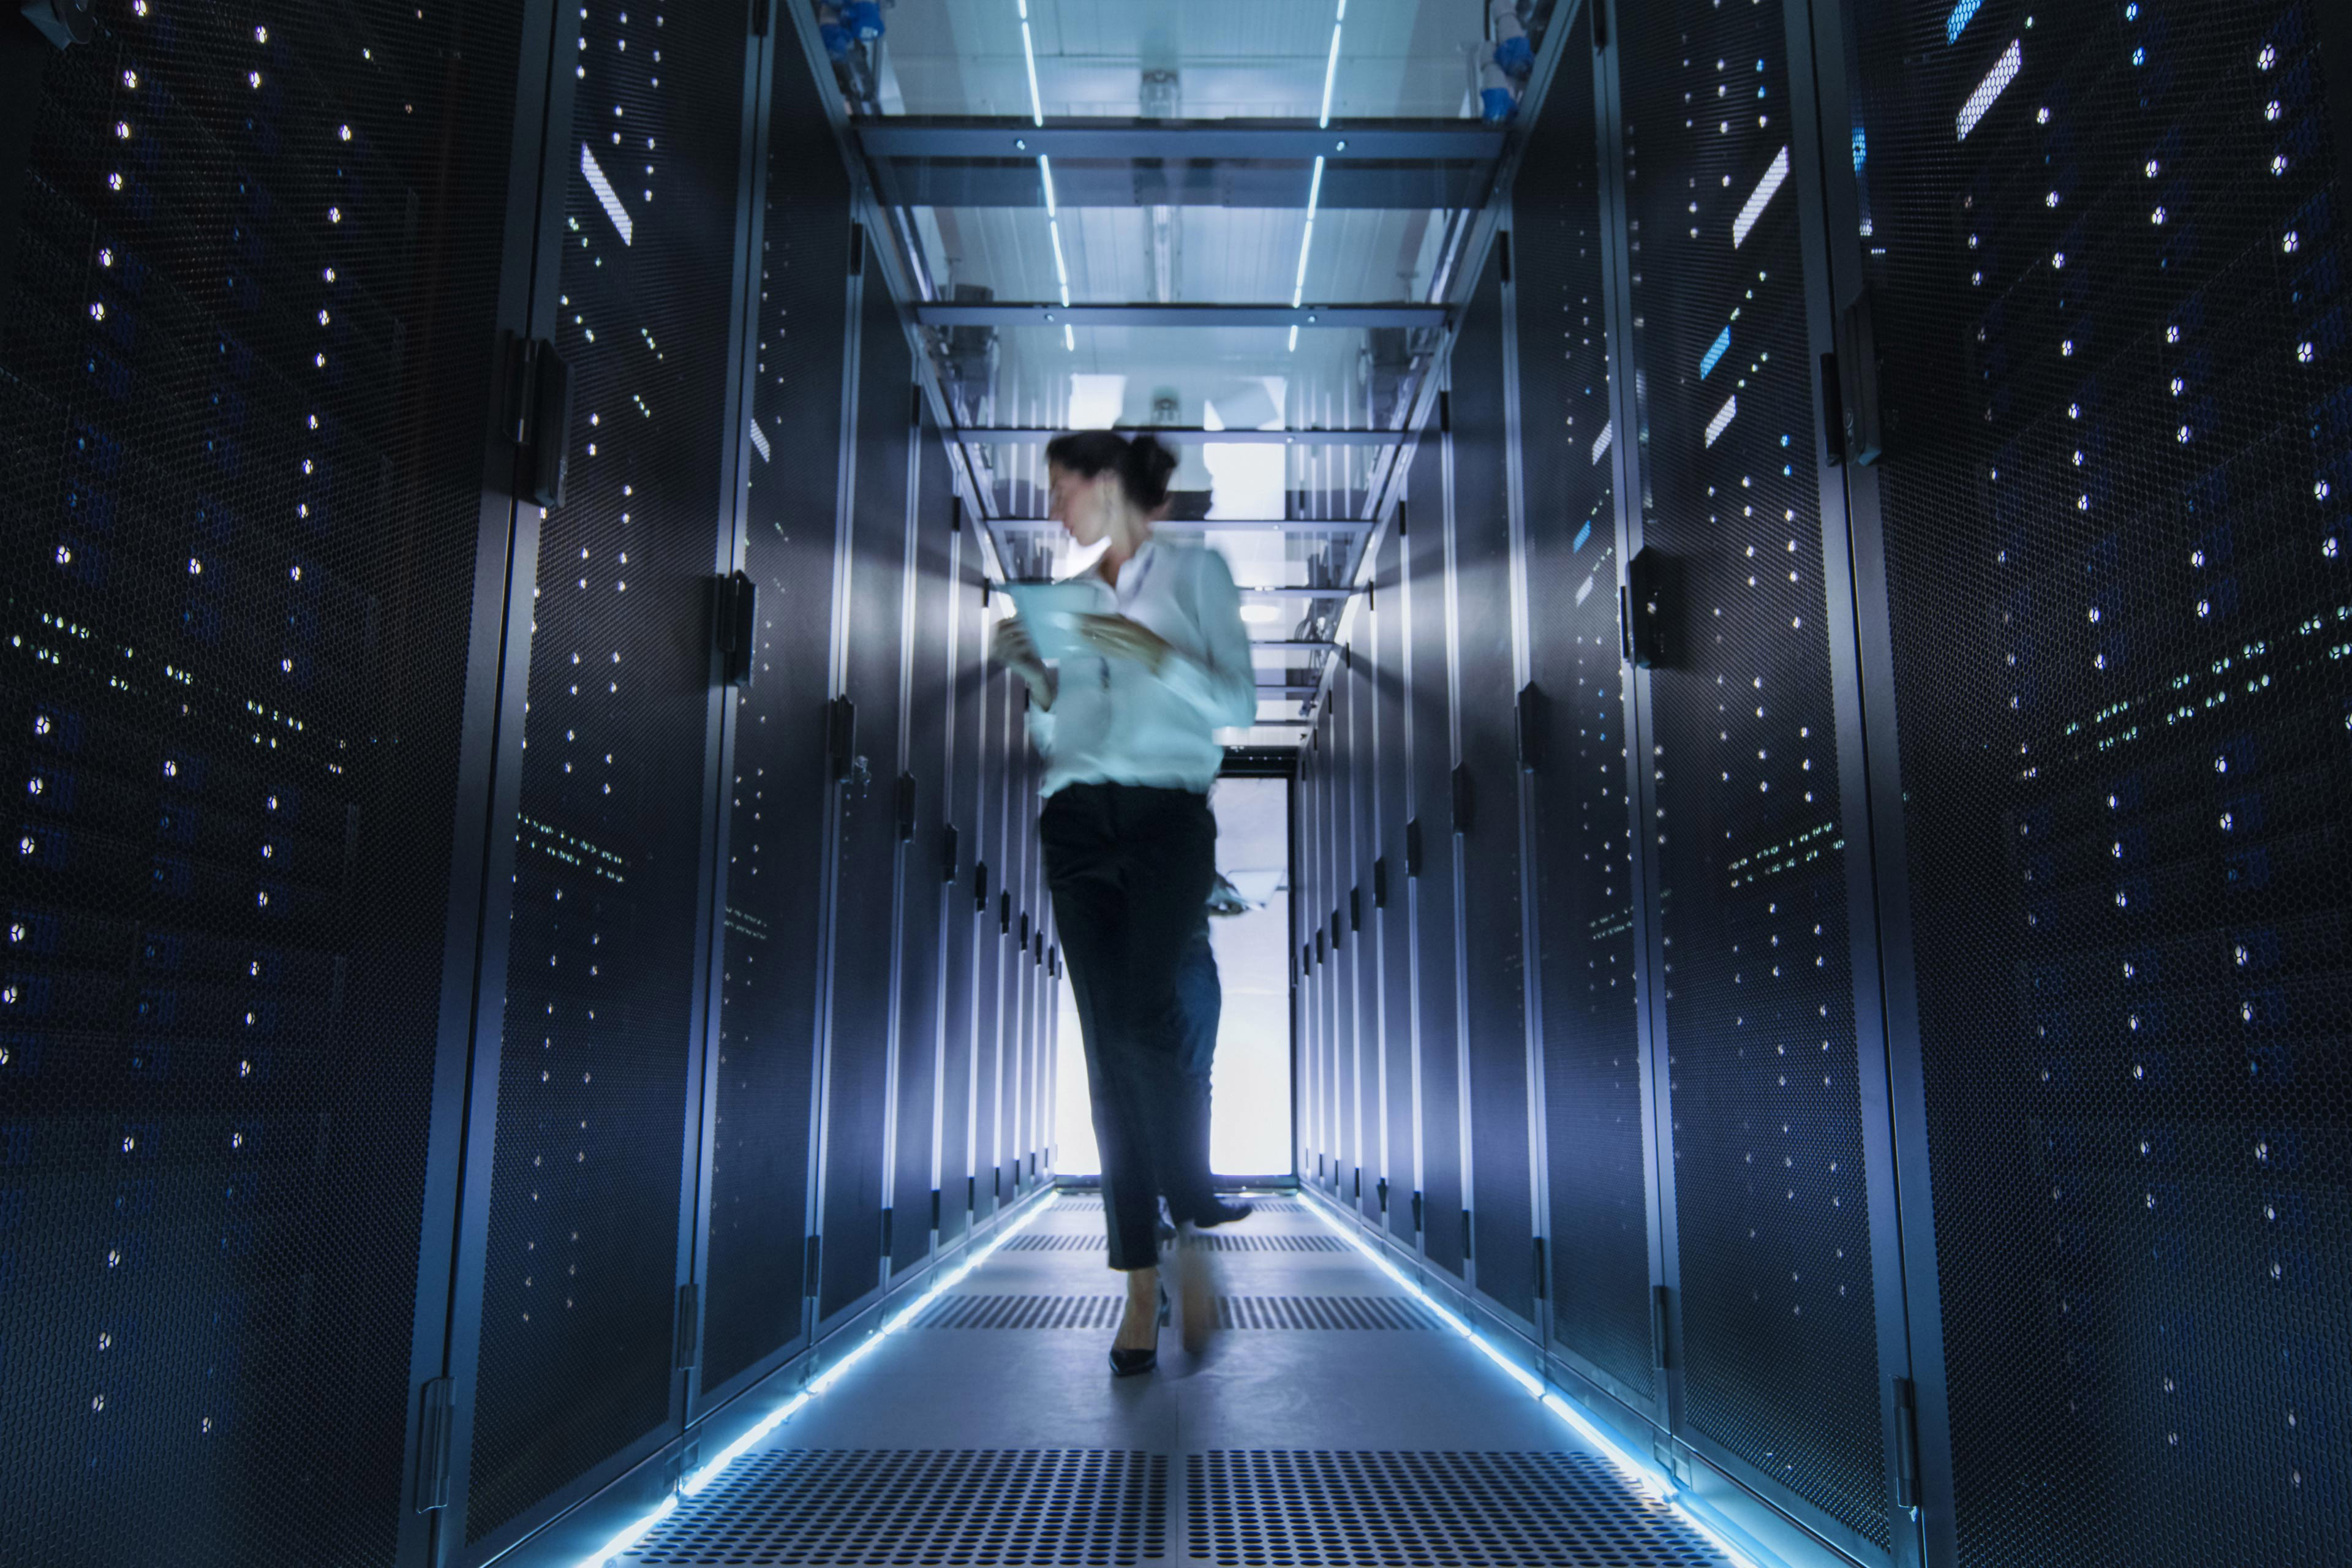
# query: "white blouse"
[1114,721]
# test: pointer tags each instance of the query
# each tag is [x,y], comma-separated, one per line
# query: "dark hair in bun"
[1142,464]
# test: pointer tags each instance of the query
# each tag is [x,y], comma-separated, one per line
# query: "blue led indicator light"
[1715,351]
[1959,20]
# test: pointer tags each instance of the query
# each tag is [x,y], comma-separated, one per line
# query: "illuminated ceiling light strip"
[1069,338]
[1765,188]
[2004,71]
[1294,339]
[1648,1482]
[1307,239]
[1029,54]
[1723,417]
[606,194]
[1715,353]
[1046,172]
[1061,270]
[1601,442]
[701,1479]
[1331,70]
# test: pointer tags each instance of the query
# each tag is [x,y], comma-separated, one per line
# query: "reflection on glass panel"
[1145,254]
[1197,59]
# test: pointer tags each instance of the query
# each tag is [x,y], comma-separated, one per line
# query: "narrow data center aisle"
[1337,1421]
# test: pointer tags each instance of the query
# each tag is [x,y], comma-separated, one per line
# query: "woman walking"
[1127,731]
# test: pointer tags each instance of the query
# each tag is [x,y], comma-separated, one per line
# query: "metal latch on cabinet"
[735,627]
[542,386]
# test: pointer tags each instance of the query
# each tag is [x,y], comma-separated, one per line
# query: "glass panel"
[1132,252]
[1201,59]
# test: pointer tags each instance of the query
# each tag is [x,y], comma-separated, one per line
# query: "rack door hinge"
[906,808]
[1355,909]
[1503,252]
[543,420]
[1336,929]
[1445,412]
[814,1259]
[1412,848]
[1659,1320]
[1599,11]
[759,18]
[1462,797]
[1906,1443]
[935,1208]
[1860,423]
[950,851]
[689,1325]
[1416,1213]
[1380,1189]
[979,887]
[735,627]
[436,1417]
[1469,1238]
[1356,1184]
[1541,1274]
[1005,912]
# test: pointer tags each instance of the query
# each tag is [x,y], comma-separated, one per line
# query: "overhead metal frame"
[1179,141]
[1045,313]
[1185,435]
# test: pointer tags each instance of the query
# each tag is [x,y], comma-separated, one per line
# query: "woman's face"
[1081,505]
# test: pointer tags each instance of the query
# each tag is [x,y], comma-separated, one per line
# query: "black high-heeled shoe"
[1134,1363]
[1223,1214]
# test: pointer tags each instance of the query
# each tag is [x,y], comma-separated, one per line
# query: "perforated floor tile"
[1021,1312]
[1273,1509]
[1323,1312]
[866,1508]
[1216,1241]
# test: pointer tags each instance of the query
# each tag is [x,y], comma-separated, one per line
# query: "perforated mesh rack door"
[245,382]
[1394,911]
[1598,1218]
[1357,682]
[760,1159]
[1774,1295]
[580,1282]
[860,1035]
[1494,938]
[827,1508]
[1430,756]
[963,921]
[2112,308]
[1276,1508]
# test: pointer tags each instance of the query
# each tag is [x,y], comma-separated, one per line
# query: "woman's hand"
[1011,646]
[1116,636]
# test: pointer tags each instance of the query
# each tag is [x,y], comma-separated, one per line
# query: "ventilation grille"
[1087,1508]
[1257,1509]
[1213,1242]
[1021,1312]
[1322,1313]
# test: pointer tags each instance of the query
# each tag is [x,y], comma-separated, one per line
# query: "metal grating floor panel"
[1323,1312]
[1215,1243]
[1272,1507]
[1021,1312]
[953,1508]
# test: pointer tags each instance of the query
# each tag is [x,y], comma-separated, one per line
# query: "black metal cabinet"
[964,926]
[591,1203]
[1770,1247]
[1486,796]
[1391,892]
[1573,715]
[1429,853]
[256,546]
[2103,594]
[763,1091]
[922,826]
[862,1028]
[1357,678]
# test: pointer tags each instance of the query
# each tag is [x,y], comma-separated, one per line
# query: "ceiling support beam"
[1271,317]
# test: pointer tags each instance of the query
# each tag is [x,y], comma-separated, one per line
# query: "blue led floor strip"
[701,1479]
[1644,1479]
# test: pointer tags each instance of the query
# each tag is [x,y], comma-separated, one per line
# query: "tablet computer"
[1051,612]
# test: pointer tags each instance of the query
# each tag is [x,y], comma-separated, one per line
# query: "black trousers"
[1130,869]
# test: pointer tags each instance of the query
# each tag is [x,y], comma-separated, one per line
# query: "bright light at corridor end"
[892,1322]
[1658,1488]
